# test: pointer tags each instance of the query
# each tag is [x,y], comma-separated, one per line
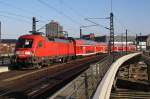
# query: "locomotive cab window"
[39,44]
[24,43]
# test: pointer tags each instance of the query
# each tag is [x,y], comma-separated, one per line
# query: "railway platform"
[3,69]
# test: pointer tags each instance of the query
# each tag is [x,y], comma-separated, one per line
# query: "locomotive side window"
[39,44]
[24,43]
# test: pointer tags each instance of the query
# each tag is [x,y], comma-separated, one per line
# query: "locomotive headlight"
[18,52]
[28,53]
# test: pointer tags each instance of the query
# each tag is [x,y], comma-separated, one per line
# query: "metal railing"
[84,86]
[5,59]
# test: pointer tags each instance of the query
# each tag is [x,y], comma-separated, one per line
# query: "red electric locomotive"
[37,50]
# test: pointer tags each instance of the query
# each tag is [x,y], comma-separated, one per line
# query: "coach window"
[81,48]
[39,44]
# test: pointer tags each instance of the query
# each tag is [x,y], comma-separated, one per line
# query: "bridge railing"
[104,89]
[85,84]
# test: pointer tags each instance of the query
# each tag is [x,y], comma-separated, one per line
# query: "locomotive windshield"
[24,43]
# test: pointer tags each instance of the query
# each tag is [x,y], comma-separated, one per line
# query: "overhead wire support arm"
[87,26]
[99,18]
[111,29]
[88,19]
[91,21]
[43,27]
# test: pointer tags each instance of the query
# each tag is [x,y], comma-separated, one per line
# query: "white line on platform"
[3,69]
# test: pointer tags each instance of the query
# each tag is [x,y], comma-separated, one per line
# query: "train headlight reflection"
[28,53]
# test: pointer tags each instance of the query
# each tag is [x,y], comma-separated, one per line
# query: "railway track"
[130,94]
[43,82]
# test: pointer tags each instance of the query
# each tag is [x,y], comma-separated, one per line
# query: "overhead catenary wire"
[100,18]
[43,27]
[46,4]
[59,12]
[19,15]
[10,34]
[97,24]
[13,14]
[27,11]
[111,6]
[18,8]
[23,17]
[123,25]
[72,9]
[17,19]
[76,13]
[116,19]
[10,5]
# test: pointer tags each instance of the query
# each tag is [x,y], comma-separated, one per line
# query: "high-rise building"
[54,29]
[60,31]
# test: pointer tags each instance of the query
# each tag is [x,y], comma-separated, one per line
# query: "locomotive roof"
[61,40]
[33,36]
[88,42]
[30,36]
[78,41]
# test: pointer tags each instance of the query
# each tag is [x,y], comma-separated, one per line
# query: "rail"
[104,89]
[44,82]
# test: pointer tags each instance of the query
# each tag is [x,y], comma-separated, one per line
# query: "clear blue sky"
[16,15]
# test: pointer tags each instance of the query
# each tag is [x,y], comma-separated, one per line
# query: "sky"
[133,15]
